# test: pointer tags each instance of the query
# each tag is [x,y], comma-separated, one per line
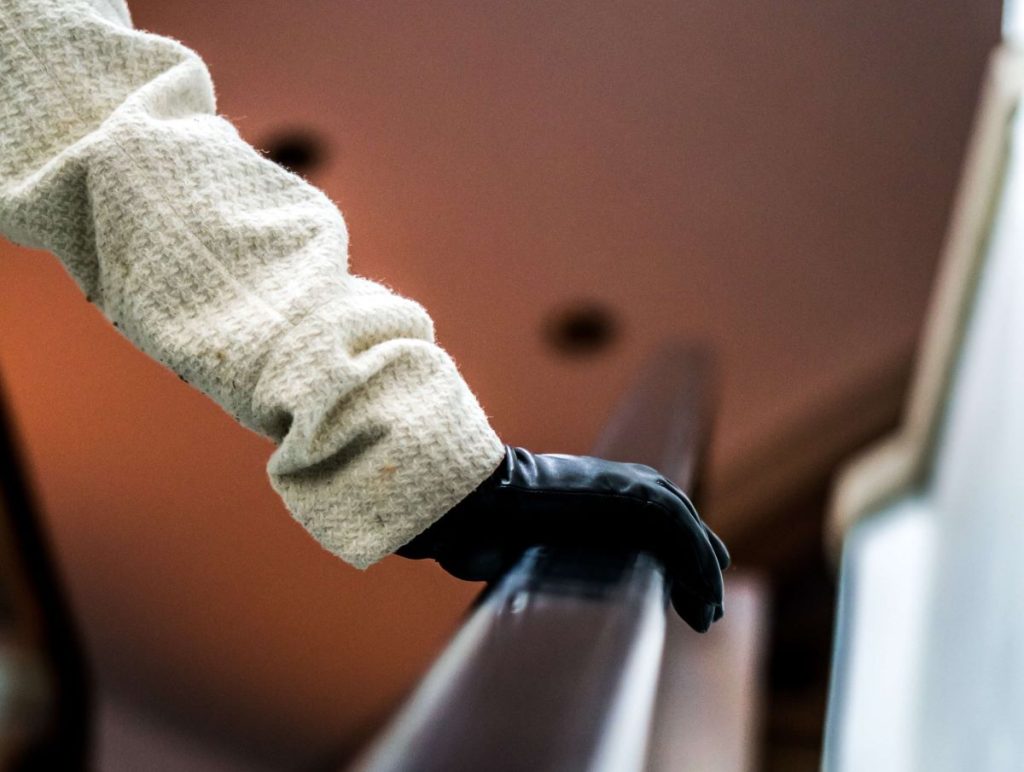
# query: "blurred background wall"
[564,186]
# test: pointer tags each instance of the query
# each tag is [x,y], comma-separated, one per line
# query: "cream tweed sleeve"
[232,272]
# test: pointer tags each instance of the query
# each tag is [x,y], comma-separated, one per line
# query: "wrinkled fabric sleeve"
[232,272]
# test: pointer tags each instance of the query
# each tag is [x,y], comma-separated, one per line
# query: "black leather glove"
[571,500]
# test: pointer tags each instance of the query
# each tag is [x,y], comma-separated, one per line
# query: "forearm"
[232,272]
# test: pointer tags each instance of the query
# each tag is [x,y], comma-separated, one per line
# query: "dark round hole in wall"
[297,150]
[582,328]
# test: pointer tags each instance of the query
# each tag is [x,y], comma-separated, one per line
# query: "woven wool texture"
[232,272]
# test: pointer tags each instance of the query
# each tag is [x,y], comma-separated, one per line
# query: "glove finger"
[719,612]
[694,611]
[687,551]
[721,551]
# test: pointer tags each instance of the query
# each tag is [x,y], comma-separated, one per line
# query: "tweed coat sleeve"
[232,272]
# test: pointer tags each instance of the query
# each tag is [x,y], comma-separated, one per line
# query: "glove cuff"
[431,542]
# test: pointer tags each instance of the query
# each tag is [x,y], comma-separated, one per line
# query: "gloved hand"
[556,499]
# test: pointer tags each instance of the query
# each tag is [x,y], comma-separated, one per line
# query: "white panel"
[1013,22]
[973,698]
[883,600]
[929,667]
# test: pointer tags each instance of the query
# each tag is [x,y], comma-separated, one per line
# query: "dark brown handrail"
[557,666]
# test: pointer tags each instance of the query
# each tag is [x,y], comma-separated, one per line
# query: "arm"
[232,272]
